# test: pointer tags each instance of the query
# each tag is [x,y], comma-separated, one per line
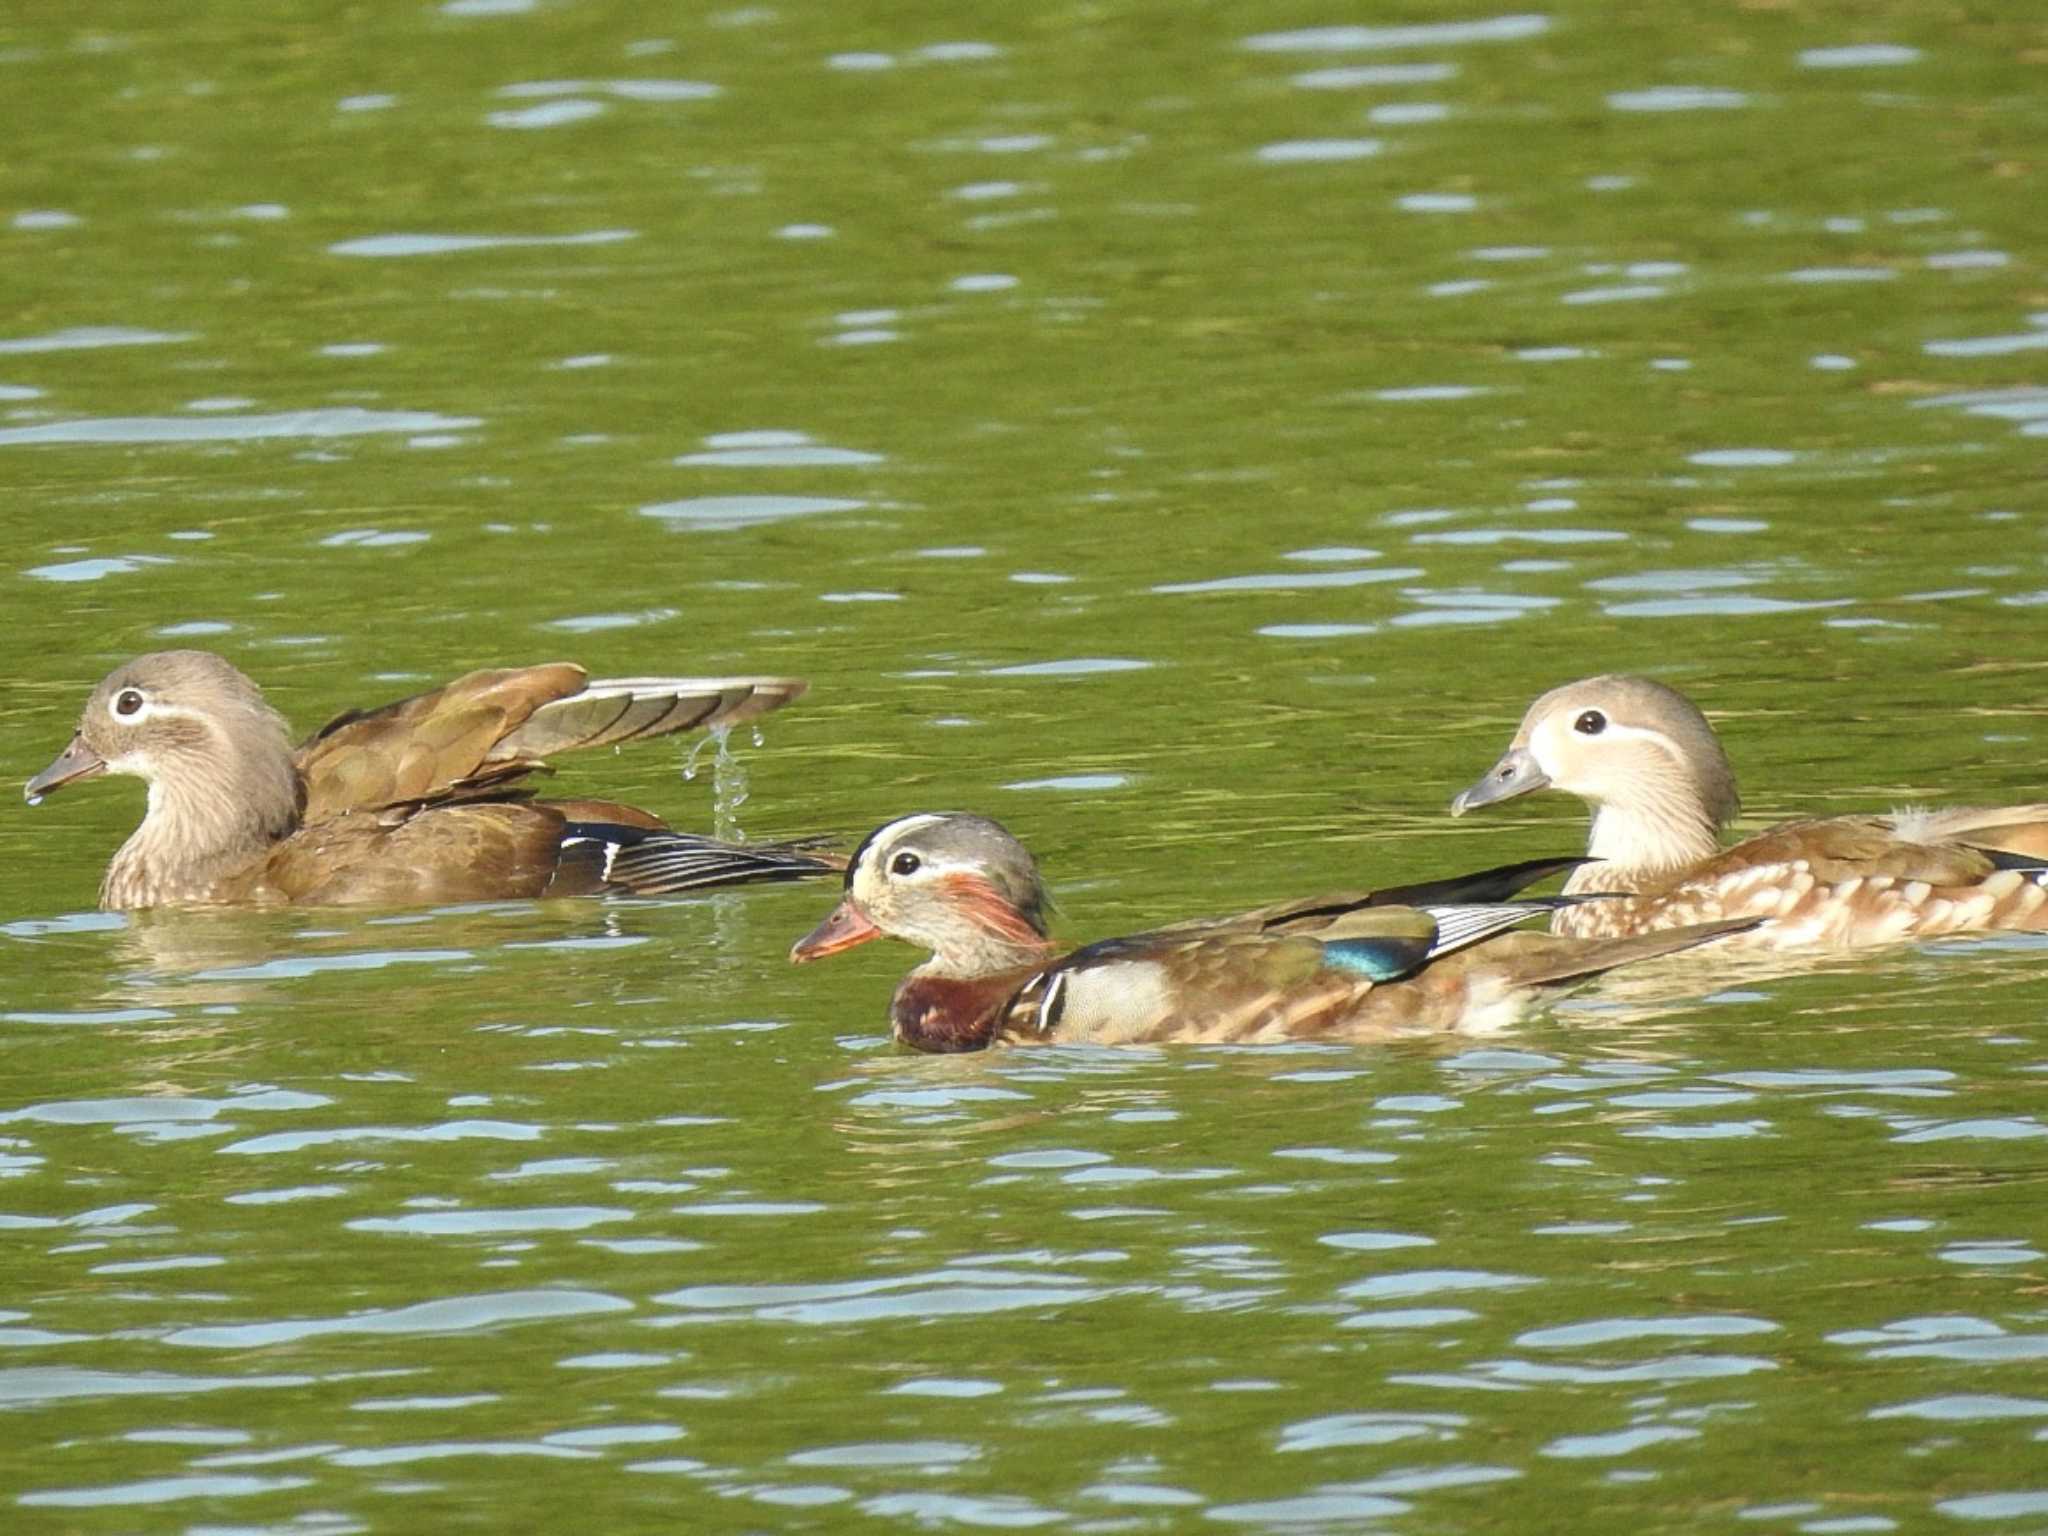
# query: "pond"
[1189,434]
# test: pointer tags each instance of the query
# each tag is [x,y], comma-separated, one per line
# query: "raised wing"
[490,728]
[612,711]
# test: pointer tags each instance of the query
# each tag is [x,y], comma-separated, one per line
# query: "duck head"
[957,885]
[215,756]
[1638,752]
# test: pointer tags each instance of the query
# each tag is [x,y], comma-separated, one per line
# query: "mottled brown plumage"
[1352,967]
[416,802]
[1662,790]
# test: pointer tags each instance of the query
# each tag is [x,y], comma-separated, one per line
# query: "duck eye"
[1591,723]
[128,702]
[905,864]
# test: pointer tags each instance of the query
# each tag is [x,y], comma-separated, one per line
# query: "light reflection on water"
[341,422]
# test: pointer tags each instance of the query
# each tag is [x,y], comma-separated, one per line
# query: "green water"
[1189,437]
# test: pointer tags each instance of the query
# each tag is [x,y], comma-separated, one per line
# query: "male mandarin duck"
[1661,790]
[1346,967]
[416,802]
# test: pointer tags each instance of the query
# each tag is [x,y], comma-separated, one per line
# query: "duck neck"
[933,1011]
[209,815]
[958,999]
[1644,842]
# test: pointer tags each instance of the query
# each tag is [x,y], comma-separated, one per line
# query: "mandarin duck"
[1411,960]
[1661,790]
[416,802]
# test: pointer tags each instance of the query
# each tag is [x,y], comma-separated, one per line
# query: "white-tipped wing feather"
[611,711]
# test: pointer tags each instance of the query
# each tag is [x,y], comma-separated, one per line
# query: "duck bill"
[1515,774]
[846,927]
[75,762]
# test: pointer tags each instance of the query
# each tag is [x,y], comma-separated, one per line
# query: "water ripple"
[1316,151]
[162,1490]
[1667,1370]
[772,450]
[1621,1442]
[80,338]
[1491,29]
[930,1455]
[1997,1506]
[1293,581]
[1678,98]
[443,1450]
[454,1314]
[625,90]
[948,1292]
[1614,1330]
[1988,346]
[1350,76]
[1317,1511]
[552,114]
[145,1111]
[1431,1282]
[453,1130]
[724,514]
[1859,56]
[1966,1409]
[31,1386]
[333,421]
[1080,782]
[1974,1130]
[1337,1429]
[496,1221]
[1079,666]
[443,245]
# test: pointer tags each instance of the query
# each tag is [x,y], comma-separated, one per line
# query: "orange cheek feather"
[989,910]
[845,927]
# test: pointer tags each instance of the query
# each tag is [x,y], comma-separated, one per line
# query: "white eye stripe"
[901,829]
[879,858]
[151,709]
[1566,728]
[1616,731]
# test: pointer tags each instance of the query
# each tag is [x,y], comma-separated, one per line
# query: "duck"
[1662,793]
[1410,960]
[418,802]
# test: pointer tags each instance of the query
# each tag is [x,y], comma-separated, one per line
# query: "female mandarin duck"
[1661,790]
[1339,968]
[412,803]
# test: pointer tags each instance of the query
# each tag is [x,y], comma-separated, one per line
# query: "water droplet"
[728,787]
[697,751]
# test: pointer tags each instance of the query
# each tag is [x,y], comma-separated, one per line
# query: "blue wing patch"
[1382,959]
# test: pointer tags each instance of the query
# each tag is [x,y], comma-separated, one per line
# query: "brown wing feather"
[2017,829]
[618,814]
[1233,987]
[1844,847]
[1546,960]
[432,744]
[1224,985]
[448,853]
[485,731]
[1941,847]
[611,711]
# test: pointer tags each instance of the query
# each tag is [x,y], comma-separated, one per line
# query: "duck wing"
[483,732]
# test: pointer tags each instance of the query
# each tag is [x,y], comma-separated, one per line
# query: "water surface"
[1190,436]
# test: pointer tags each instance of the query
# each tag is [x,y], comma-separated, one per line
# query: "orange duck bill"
[845,927]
